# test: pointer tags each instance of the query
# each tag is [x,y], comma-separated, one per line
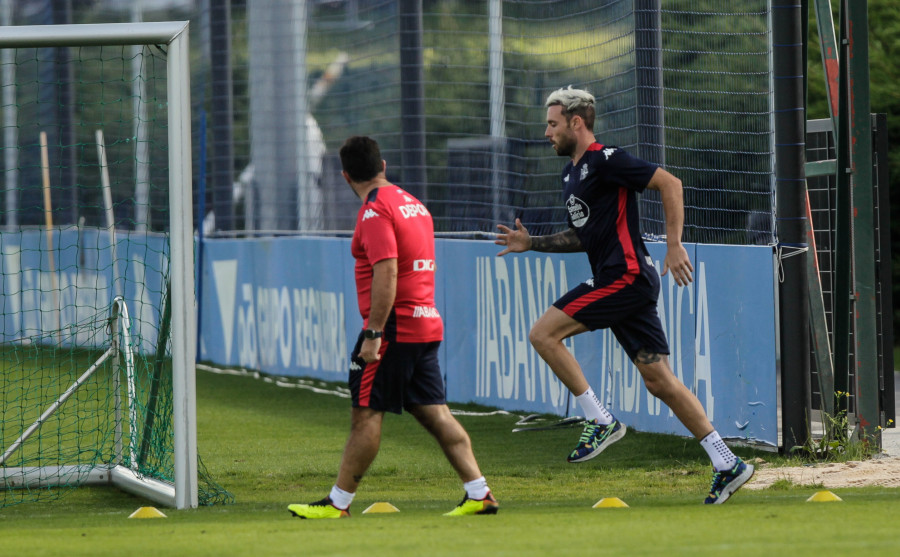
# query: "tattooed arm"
[561,242]
[520,240]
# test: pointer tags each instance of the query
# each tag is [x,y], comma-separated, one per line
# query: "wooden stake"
[48,224]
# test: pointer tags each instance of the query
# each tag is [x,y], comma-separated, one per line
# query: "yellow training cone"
[147,512]
[610,503]
[823,497]
[381,508]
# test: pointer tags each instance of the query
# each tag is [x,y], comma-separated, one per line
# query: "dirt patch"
[883,471]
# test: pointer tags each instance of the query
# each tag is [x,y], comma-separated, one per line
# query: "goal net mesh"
[84,219]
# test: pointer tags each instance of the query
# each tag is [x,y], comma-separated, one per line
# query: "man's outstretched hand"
[516,241]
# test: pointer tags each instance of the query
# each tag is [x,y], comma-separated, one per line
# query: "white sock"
[721,456]
[592,408]
[477,489]
[340,498]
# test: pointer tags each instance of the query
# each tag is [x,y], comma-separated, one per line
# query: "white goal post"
[174,35]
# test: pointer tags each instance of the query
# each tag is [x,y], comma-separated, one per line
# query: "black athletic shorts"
[408,374]
[621,307]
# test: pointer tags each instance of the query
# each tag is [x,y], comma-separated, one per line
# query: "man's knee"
[430,416]
[658,377]
[540,338]
[365,418]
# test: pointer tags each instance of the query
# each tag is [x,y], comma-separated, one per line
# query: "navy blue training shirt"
[600,195]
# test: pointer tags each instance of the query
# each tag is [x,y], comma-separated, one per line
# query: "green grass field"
[271,446]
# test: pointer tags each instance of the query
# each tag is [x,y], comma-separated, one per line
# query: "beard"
[565,146]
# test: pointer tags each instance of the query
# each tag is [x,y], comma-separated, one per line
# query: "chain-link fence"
[453,90]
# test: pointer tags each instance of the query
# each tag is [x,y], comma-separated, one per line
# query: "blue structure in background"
[80,289]
[287,306]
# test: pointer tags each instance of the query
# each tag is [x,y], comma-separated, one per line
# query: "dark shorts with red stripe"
[408,374]
[621,307]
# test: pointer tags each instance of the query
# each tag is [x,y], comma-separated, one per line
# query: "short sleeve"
[629,172]
[378,237]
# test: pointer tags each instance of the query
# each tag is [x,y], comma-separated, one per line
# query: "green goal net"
[97,333]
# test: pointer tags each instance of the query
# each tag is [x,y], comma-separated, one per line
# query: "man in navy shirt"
[600,184]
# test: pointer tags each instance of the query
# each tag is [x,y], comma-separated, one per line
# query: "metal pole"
[790,191]
[843,246]
[65,141]
[184,326]
[141,141]
[412,100]
[222,125]
[864,288]
[10,126]
[498,106]
[650,114]
[824,364]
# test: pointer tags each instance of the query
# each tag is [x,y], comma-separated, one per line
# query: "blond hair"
[574,102]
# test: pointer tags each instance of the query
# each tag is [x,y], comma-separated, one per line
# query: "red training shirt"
[393,224]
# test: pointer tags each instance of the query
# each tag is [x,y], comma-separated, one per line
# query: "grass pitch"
[273,446]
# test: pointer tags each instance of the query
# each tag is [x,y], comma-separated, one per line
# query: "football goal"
[97,306]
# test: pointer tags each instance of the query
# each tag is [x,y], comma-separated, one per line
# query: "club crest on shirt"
[578,211]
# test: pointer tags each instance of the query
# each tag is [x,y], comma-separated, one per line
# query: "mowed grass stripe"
[273,446]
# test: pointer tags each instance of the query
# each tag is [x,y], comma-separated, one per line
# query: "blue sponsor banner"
[721,331]
[64,294]
[288,306]
[280,305]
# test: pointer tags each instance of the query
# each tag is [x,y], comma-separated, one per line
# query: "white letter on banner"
[703,371]
[490,334]
[608,385]
[484,323]
[262,332]
[563,288]
[334,328]
[667,318]
[522,349]
[285,327]
[479,327]
[312,333]
[267,304]
[549,291]
[342,354]
[539,369]
[617,379]
[505,377]
[302,356]
[247,328]
[687,293]
[328,323]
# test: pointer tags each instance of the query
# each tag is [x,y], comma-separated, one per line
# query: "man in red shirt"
[394,365]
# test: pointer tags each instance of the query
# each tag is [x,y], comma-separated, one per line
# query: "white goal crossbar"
[174,35]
